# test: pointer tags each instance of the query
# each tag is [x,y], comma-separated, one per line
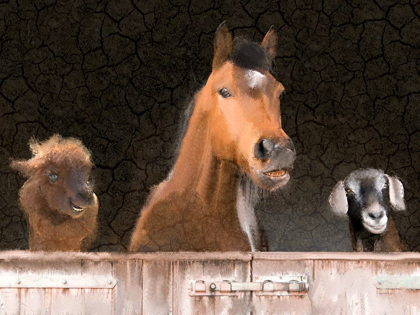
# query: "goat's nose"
[376,215]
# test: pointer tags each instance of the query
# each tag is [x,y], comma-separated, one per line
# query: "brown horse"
[233,141]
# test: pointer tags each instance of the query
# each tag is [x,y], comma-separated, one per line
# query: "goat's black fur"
[367,196]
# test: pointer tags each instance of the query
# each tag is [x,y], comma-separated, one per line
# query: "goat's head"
[366,195]
[61,168]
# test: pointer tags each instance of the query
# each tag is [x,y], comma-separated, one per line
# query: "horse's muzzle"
[278,153]
[278,158]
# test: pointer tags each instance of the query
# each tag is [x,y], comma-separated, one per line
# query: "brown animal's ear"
[34,145]
[338,199]
[22,167]
[269,44]
[396,193]
[222,45]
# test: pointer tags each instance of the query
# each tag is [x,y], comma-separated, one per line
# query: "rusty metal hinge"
[280,285]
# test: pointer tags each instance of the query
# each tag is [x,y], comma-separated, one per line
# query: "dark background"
[119,74]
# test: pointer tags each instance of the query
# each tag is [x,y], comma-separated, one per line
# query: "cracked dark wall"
[118,75]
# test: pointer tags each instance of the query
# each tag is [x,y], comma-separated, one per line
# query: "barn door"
[341,283]
[56,287]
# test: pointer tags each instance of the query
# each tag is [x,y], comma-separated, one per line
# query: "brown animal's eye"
[224,93]
[349,191]
[53,178]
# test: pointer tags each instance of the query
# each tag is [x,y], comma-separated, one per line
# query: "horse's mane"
[183,128]
[249,55]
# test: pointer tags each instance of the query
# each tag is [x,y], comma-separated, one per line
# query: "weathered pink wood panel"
[343,283]
[218,268]
[157,287]
[339,283]
[264,269]
[129,289]
[9,301]
[348,287]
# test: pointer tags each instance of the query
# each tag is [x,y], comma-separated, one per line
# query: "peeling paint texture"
[119,74]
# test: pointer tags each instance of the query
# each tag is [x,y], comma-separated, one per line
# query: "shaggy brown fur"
[57,199]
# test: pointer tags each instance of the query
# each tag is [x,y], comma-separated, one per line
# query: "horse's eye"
[53,178]
[224,93]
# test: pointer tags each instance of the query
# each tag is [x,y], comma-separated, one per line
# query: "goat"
[57,199]
[367,196]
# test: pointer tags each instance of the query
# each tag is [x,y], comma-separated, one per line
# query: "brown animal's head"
[241,98]
[61,168]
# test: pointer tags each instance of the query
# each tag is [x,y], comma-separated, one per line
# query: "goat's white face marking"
[374,226]
[255,78]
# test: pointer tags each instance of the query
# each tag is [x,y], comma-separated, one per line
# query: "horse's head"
[241,98]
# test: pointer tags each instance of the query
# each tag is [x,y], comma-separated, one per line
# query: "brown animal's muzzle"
[277,157]
[86,194]
[279,154]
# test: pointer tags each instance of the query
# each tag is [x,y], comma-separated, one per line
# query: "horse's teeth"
[276,173]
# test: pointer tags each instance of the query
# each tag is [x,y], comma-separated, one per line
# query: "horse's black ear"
[269,44]
[222,45]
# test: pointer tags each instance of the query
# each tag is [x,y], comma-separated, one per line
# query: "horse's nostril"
[264,148]
[267,145]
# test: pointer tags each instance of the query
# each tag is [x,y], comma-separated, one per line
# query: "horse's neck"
[198,170]
[216,182]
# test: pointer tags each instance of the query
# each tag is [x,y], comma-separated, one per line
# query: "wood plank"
[344,287]
[9,301]
[39,301]
[351,256]
[35,301]
[128,293]
[157,287]
[20,255]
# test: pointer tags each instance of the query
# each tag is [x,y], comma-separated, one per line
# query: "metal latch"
[397,282]
[56,281]
[281,285]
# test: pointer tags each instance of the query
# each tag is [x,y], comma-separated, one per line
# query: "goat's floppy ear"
[222,45]
[269,44]
[338,199]
[396,193]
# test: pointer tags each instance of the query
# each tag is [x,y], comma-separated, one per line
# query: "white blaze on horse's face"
[255,79]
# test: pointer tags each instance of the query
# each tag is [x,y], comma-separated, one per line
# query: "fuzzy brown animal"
[234,145]
[57,199]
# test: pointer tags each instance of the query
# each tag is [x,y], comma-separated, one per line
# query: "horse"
[233,145]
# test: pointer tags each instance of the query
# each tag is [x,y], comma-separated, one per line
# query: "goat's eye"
[224,92]
[53,178]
